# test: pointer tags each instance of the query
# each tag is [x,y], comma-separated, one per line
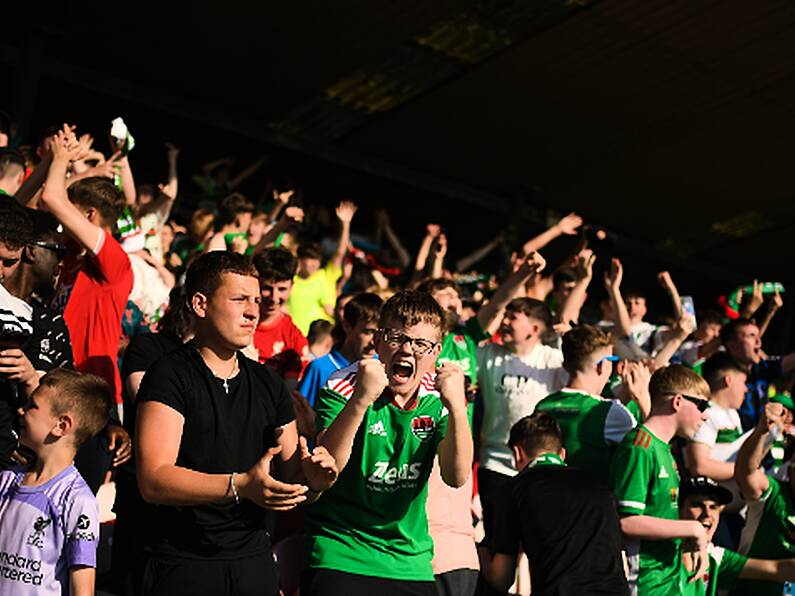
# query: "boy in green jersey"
[769,530]
[387,420]
[703,500]
[645,480]
[591,425]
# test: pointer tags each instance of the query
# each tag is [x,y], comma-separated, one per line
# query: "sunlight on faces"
[38,424]
[703,509]
[231,313]
[9,260]
[404,368]
[604,368]
[689,418]
[746,345]
[308,266]
[636,306]
[361,337]
[274,295]
[517,327]
[735,384]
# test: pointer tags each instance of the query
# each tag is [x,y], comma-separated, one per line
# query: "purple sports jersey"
[45,530]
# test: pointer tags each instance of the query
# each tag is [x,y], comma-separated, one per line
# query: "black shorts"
[327,582]
[251,576]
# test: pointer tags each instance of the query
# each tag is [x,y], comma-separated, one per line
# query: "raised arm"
[338,437]
[345,213]
[570,308]
[456,449]
[88,235]
[776,302]
[750,477]
[432,232]
[681,331]
[247,173]
[127,180]
[490,314]
[667,283]
[385,226]
[292,215]
[567,225]
[437,270]
[613,286]
[466,262]
[171,188]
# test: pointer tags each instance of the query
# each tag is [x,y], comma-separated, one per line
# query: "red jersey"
[92,293]
[283,347]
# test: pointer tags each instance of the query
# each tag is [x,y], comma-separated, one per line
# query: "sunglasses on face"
[397,339]
[700,403]
[58,249]
[607,359]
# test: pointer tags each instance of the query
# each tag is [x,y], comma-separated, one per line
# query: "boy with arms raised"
[702,499]
[591,425]
[48,513]
[645,480]
[769,527]
[384,421]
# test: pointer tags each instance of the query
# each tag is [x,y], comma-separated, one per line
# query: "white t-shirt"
[723,433]
[511,387]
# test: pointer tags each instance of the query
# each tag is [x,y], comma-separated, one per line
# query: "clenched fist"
[450,385]
[371,380]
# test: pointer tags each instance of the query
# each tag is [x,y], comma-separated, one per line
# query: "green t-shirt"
[372,521]
[644,478]
[591,426]
[724,567]
[769,533]
[311,295]
[460,347]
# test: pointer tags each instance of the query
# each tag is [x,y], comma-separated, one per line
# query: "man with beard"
[385,421]
[279,343]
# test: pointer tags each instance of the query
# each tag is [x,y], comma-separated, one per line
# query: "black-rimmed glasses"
[398,339]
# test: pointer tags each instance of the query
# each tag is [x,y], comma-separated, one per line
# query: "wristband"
[233,489]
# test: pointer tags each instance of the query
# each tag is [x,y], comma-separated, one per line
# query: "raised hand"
[283,197]
[451,386]
[614,277]
[532,264]
[584,263]
[433,230]
[294,215]
[568,225]
[371,380]
[346,211]
[257,485]
[319,467]
[665,280]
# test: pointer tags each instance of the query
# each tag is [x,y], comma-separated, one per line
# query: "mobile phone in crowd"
[689,308]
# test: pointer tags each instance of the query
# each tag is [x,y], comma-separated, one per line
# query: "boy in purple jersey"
[48,513]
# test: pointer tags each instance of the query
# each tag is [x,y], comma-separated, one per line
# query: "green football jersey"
[460,347]
[644,478]
[769,533]
[724,567]
[372,521]
[591,427]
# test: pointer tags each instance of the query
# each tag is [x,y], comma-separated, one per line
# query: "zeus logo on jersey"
[390,478]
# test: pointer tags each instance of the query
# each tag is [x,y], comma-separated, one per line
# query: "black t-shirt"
[567,524]
[47,348]
[222,433]
[144,350]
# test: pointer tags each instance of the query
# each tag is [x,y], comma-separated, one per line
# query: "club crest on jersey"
[422,427]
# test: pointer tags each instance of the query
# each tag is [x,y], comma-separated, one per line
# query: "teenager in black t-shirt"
[563,519]
[210,424]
